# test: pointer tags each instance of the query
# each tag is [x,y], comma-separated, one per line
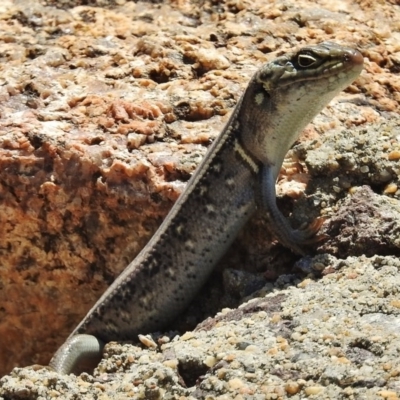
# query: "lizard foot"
[297,239]
[309,234]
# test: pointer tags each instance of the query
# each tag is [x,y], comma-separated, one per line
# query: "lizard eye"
[306,60]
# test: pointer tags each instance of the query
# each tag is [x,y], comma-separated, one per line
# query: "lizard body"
[237,176]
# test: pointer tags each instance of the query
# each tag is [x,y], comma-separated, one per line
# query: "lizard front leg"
[295,239]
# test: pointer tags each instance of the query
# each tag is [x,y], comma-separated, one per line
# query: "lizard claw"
[296,239]
[309,233]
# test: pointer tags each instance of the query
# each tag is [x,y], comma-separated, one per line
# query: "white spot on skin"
[189,244]
[179,229]
[111,326]
[216,167]
[259,98]
[230,182]
[210,208]
[144,300]
[125,315]
[203,190]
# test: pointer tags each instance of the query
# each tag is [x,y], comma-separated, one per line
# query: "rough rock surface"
[107,108]
[336,337]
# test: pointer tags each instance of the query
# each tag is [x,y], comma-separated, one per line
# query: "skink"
[237,175]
